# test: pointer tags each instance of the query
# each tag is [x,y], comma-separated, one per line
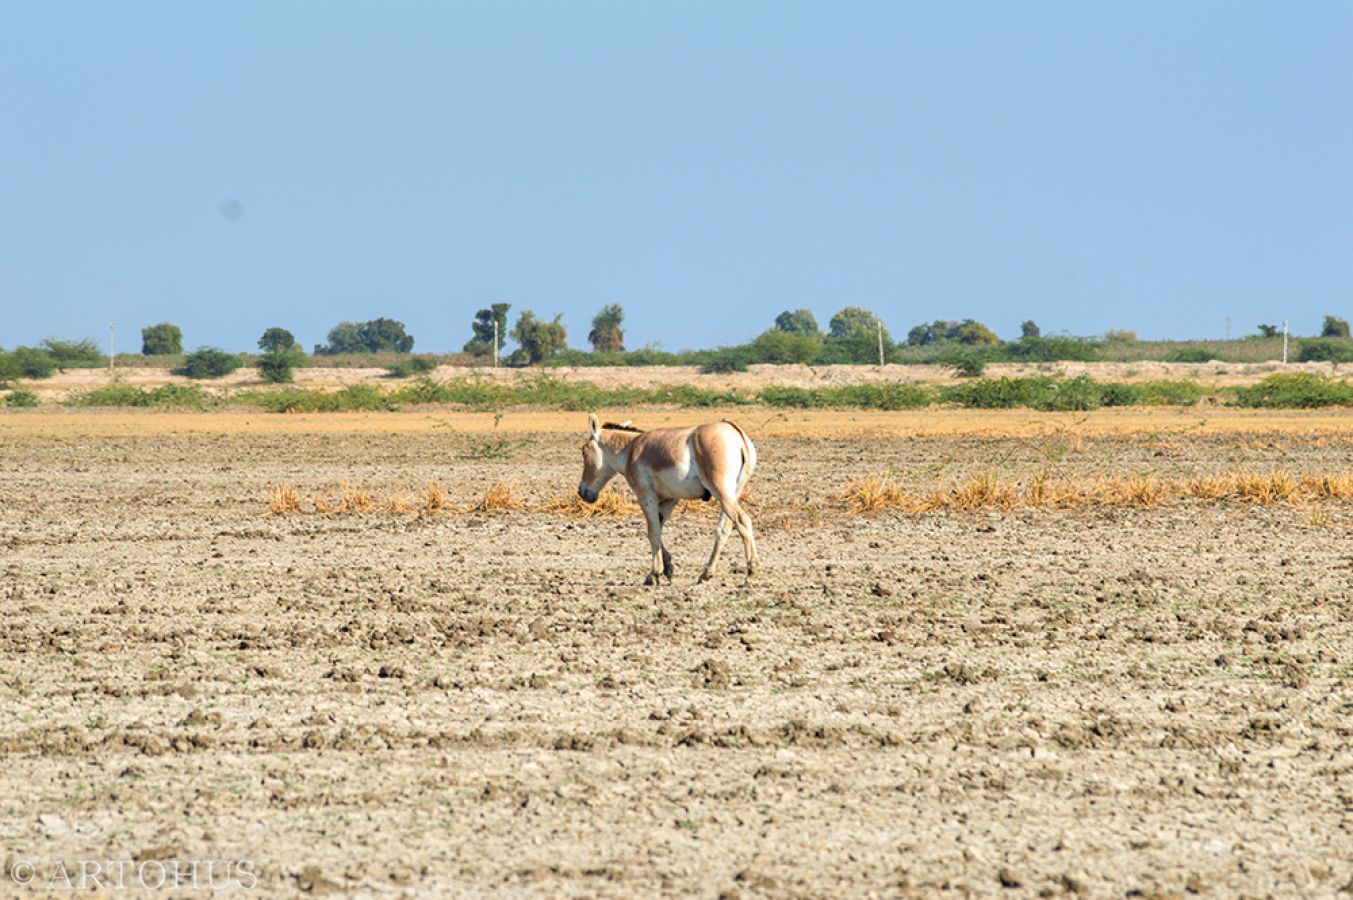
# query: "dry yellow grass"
[1338,486]
[433,498]
[1136,490]
[283,500]
[501,496]
[875,494]
[987,490]
[610,505]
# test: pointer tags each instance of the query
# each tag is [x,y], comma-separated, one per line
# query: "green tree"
[1029,329]
[799,321]
[783,347]
[375,336]
[345,337]
[482,342]
[208,362]
[276,339]
[74,354]
[276,365]
[936,332]
[385,336]
[1268,331]
[164,339]
[606,335]
[539,339]
[1334,327]
[856,321]
[974,333]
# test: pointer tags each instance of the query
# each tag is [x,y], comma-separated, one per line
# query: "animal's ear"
[594,426]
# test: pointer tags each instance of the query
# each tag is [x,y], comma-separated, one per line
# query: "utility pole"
[1284,342]
[879,326]
[112,353]
[1228,328]
[495,342]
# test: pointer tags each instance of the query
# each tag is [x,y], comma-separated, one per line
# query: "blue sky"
[1151,165]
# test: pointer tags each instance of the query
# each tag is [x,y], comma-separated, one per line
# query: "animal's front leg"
[652,514]
[664,516]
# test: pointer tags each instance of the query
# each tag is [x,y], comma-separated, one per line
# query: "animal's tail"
[748,456]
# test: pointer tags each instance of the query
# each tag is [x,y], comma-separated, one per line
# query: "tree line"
[853,334]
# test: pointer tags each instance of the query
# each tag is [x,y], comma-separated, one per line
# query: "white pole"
[112,353]
[1284,342]
[495,342]
[879,325]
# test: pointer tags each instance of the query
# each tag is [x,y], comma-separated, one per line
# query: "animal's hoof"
[704,576]
[667,570]
[650,580]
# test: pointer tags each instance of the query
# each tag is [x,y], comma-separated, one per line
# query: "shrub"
[965,365]
[74,354]
[27,362]
[164,339]
[1168,393]
[726,359]
[1296,390]
[21,399]
[173,395]
[1326,349]
[1080,393]
[208,362]
[1189,355]
[1052,349]
[354,397]
[410,366]
[998,393]
[275,366]
[1116,393]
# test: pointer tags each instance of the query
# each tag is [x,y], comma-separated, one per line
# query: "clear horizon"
[1154,167]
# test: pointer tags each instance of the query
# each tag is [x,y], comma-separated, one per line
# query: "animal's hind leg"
[721,533]
[664,515]
[744,523]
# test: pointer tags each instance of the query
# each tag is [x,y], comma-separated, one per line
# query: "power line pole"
[495,342]
[112,353]
[879,326]
[1228,328]
[1284,342]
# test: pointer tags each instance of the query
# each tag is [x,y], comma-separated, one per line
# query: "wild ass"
[665,465]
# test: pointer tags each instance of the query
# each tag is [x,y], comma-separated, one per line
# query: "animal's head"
[596,473]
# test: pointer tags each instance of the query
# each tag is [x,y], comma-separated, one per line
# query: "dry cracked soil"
[1091,701]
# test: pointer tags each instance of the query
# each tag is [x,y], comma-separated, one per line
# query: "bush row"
[1294,391]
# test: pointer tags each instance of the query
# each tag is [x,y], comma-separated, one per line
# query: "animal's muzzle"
[588,495]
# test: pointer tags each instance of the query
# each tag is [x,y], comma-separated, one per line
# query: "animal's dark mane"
[616,426]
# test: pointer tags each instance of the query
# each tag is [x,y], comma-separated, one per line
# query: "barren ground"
[1096,700]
